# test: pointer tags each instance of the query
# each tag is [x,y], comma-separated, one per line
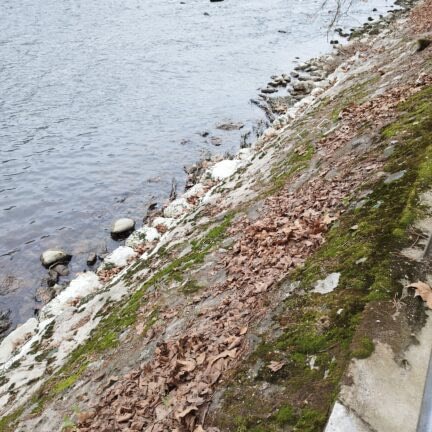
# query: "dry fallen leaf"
[274,366]
[185,412]
[423,290]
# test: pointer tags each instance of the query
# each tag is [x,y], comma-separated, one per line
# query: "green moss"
[15,364]
[297,160]
[311,421]
[191,287]
[68,425]
[7,423]
[65,383]
[365,347]
[285,416]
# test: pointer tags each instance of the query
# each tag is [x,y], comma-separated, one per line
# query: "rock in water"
[44,295]
[91,259]
[122,227]
[53,277]
[230,126]
[61,269]
[52,256]
[5,322]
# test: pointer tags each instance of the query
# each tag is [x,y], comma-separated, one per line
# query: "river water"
[103,102]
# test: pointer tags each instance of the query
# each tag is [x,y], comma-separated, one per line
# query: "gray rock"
[61,269]
[123,226]
[45,295]
[364,141]
[303,86]
[91,259]
[53,256]
[304,77]
[394,177]
[229,126]
[52,277]
[268,90]
[388,151]
[301,66]
[5,322]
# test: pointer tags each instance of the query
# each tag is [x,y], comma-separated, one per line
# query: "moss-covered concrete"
[317,334]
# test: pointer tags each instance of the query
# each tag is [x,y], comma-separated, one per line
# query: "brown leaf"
[185,412]
[274,366]
[423,290]
[243,331]
[228,353]
[188,365]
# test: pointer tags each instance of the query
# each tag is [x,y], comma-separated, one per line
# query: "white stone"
[119,257]
[83,285]
[269,133]
[177,207]
[317,91]
[142,235]
[166,222]
[224,169]
[122,225]
[292,113]
[327,285]
[195,191]
[245,153]
[53,256]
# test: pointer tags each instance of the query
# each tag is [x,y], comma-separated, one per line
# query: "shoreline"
[86,303]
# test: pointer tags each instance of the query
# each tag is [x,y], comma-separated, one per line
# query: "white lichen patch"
[177,208]
[327,285]
[224,169]
[142,235]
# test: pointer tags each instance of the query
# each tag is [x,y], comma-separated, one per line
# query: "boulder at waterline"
[122,227]
[53,256]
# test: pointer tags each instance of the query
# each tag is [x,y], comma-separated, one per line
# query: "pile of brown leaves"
[106,274]
[421,17]
[173,390]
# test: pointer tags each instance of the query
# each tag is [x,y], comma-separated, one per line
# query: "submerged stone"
[91,259]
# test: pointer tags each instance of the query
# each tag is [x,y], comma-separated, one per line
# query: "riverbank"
[123,131]
[276,277]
